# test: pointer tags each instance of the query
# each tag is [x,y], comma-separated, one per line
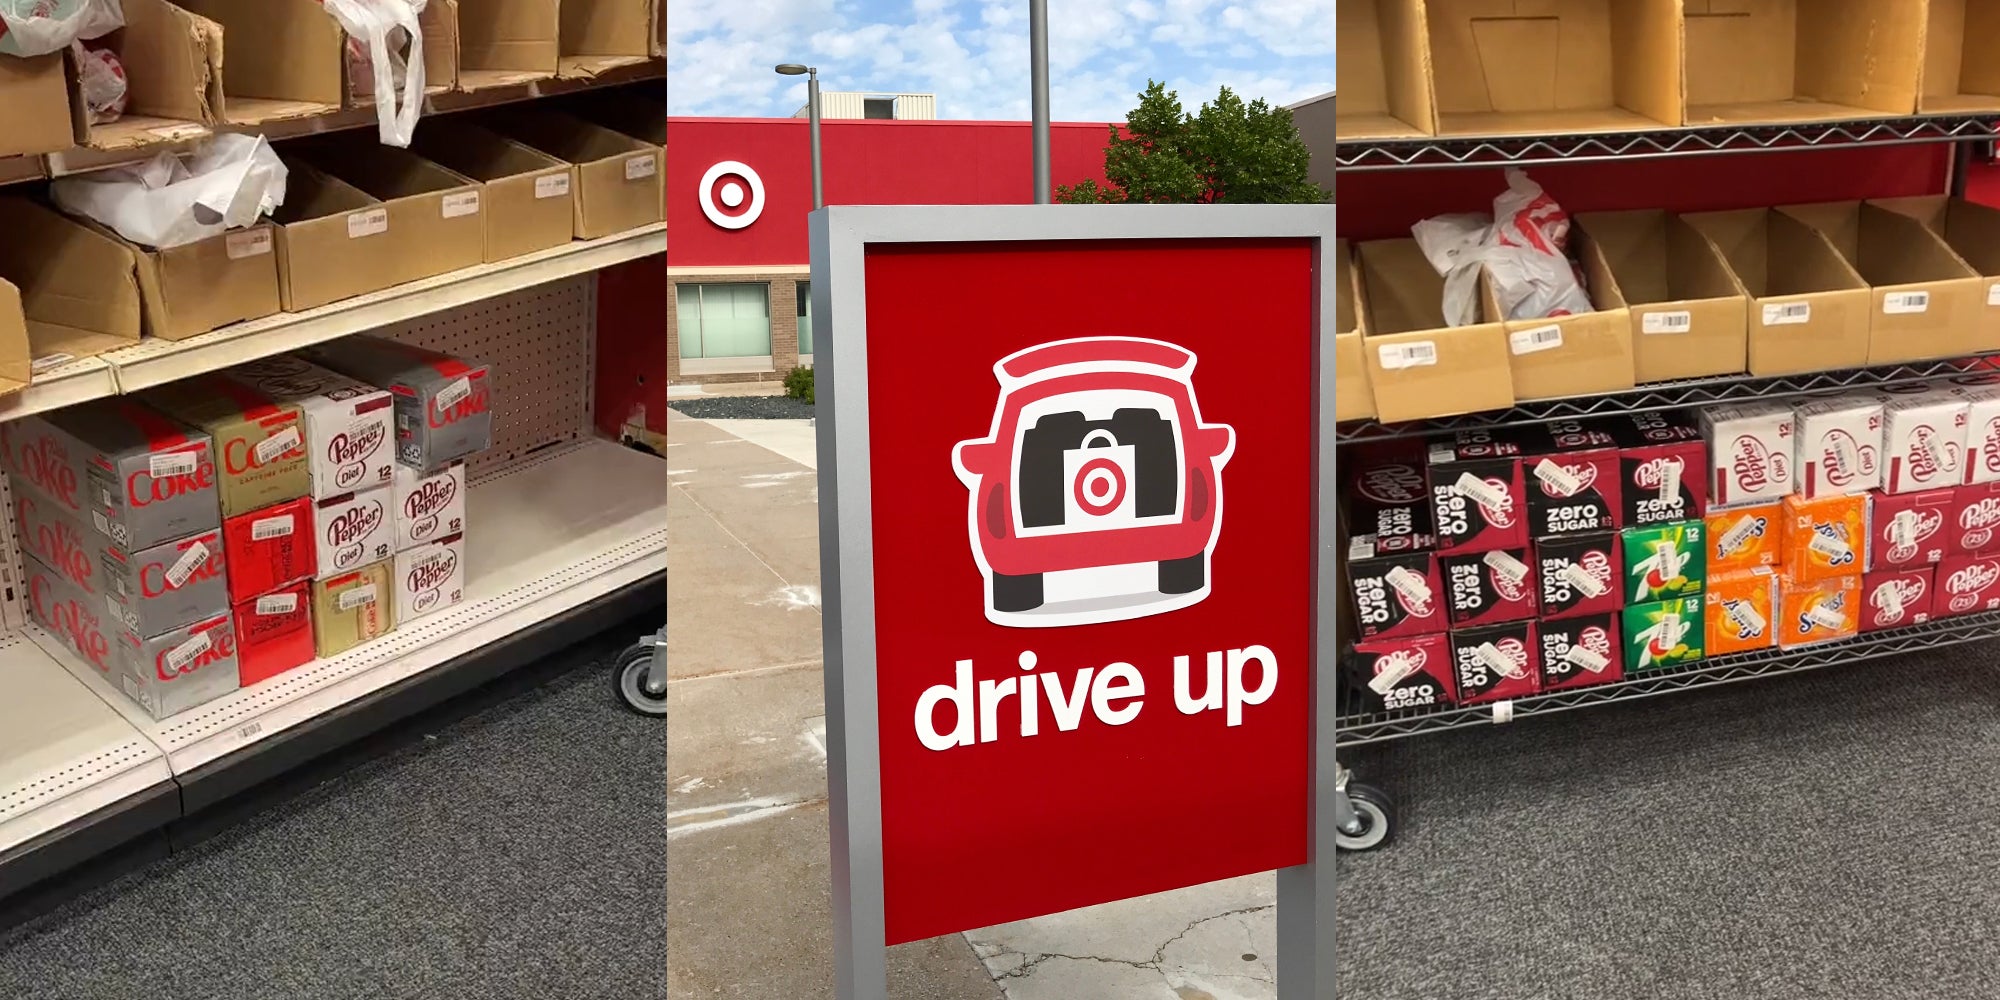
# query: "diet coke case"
[1412,671]
[1662,468]
[61,543]
[1750,452]
[430,577]
[1496,662]
[70,615]
[1579,652]
[1478,497]
[270,548]
[169,673]
[274,633]
[349,425]
[1924,441]
[1488,587]
[1397,588]
[157,589]
[429,507]
[1839,445]
[1385,499]
[1894,598]
[352,531]
[444,405]
[1573,486]
[1912,529]
[48,460]
[150,478]
[1579,575]
[1967,584]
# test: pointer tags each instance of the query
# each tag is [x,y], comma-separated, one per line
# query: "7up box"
[1663,561]
[1663,634]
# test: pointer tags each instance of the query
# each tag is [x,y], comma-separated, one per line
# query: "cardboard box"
[1912,529]
[429,507]
[172,61]
[1574,487]
[274,632]
[1739,609]
[439,22]
[352,608]
[333,241]
[1662,468]
[601,35]
[525,194]
[1579,575]
[1928,303]
[1957,75]
[430,577]
[1973,232]
[151,479]
[1383,51]
[1687,312]
[1554,357]
[1772,61]
[1971,520]
[1823,538]
[13,340]
[1839,445]
[156,589]
[1743,538]
[1353,399]
[1896,598]
[437,215]
[1982,432]
[197,287]
[1579,652]
[1662,561]
[1488,587]
[1818,611]
[641,115]
[1750,452]
[1662,635]
[270,548]
[352,531]
[1808,308]
[1479,498]
[444,405]
[1397,587]
[78,292]
[348,423]
[1413,671]
[262,440]
[1923,438]
[192,665]
[505,42]
[1417,366]
[1496,662]
[70,615]
[34,106]
[618,178]
[285,59]
[1595,66]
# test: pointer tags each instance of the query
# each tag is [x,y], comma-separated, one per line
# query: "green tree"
[1230,152]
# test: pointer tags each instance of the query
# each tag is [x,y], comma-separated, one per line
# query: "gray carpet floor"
[1831,834]
[516,853]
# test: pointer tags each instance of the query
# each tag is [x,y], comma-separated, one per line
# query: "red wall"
[865,163]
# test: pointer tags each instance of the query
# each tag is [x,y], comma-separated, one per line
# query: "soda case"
[169,673]
[269,548]
[1839,445]
[45,459]
[1479,500]
[1825,537]
[149,478]
[150,590]
[1496,662]
[1975,515]
[1750,452]
[353,530]
[1966,584]
[1572,483]
[1397,588]
[1743,538]
[352,608]
[1662,561]
[261,440]
[1659,635]
[1385,499]
[1910,529]
[1579,652]
[1982,432]
[1739,609]
[69,614]
[1411,671]
[1487,587]
[1817,611]
[274,632]
[349,425]
[1662,468]
[1893,598]
[433,506]
[429,577]
[1923,441]
[444,405]
[1579,575]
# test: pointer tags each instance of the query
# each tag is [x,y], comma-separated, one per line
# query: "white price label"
[184,654]
[1541,338]
[48,361]
[1503,712]
[1890,596]
[276,526]
[1506,565]
[173,463]
[1393,669]
[117,610]
[277,444]
[1670,480]
[1559,480]
[1410,584]
[250,243]
[1666,322]
[1896,303]
[277,604]
[372,222]
[1787,314]
[1482,492]
[1501,663]
[645,165]
[1745,616]
[1416,355]
[1584,581]
[184,567]
[1903,528]
[1825,617]
[551,186]
[1588,659]
[1993,294]
[462,203]
[356,597]
[452,394]
[103,524]
[1732,540]
[1829,546]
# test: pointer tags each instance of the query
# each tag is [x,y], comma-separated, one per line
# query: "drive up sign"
[1072,553]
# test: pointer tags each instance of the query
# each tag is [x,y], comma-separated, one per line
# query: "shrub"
[799,383]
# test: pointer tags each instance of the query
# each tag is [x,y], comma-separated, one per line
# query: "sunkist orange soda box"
[1824,537]
[1815,611]
[1742,611]
[1744,538]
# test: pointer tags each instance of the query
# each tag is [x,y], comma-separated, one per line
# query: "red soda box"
[1966,584]
[1911,529]
[1982,432]
[1488,587]
[1479,500]
[274,632]
[1496,662]
[1662,468]
[1975,513]
[1579,652]
[1579,575]
[1573,487]
[1924,442]
[1839,445]
[1893,598]
[1750,452]
[1412,671]
[1389,500]
[269,548]
[1397,588]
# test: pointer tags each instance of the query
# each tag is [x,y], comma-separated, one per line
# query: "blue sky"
[973,54]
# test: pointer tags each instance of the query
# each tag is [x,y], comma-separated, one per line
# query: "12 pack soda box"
[350,425]
[1923,441]
[176,670]
[1895,598]
[1579,652]
[1410,671]
[261,440]
[1487,587]
[1967,584]
[1663,561]
[1740,610]
[1826,536]
[1573,480]
[1388,498]
[1662,467]
[274,632]
[444,405]
[1579,575]
[1397,588]
[1479,499]
[1839,445]
[1818,611]
[1496,662]
[150,478]
[1743,538]
[1662,634]
[1751,452]
[1913,529]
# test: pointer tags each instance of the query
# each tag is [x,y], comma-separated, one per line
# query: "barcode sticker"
[1491,655]
[356,597]
[173,463]
[1825,617]
[1903,528]
[450,395]
[1666,322]
[372,222]
[1482,492]
[184,130]
[1394,669]
[1503,712]
[462,203]
[1588,659]
[1896,303]
[184,567]
[277,604]
[1890,597]
[1745,616]
[266,528]
[277,444]
[1732,540]
[1395,356]
[249,731]
[103,525]
[1583,580]
[1670,480]
[1788,313]
[48,361]
[1541,338]
[1507,566]
[117,610]
[641,166]
[551,186]
[253,243]
[1829,546]
[184,654]
[1410,584]
[1993,294]
[1560,481]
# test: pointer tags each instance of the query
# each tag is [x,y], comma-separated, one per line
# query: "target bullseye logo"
[1100,486]
[730,182]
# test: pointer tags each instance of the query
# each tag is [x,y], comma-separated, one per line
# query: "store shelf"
[1522,150]
[1672,395]
[65,385]
[1355,727]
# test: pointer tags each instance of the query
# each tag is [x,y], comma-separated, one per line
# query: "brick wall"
[784,325]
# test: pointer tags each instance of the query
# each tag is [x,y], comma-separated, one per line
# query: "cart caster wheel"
[629,677]
[1374,817]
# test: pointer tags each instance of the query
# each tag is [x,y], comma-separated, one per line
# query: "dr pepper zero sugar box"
[1572,482]
[1662,561]
[1412,671]
[151,478]
[1750,452]
[1839,445]
[349,425]
[1894,598]
[1397,589]
[1819,610]
[1487,587]
[1662,468]
[1478,497]
[444,405]
[1740,609]
[1579,574]
[1387,499]
[1923,441]
[1662,634]
[1578,652]
[1912,529]
[1966,584]
[1743,538]
[1496,662]
[262,442]
[1825,537]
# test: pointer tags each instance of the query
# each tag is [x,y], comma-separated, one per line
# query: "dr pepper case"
[353,530]
[274,632]
[1825,537]
[269,548]
[262,441]
[1478,498]
[1974,517]
[1579,575]
[1579,652]
[429,507]
[430,577]
[1662,468]
[352,608]
[1385,499]
[1909,529]
[1411,671]
[1750,452]
[444,405]
[1740,610]
[151,478]
[1743,538]
[1488,587]
[1894,598]
[1839,445]
[1397,589]
[1496,662]
[1573,482]
[1966,584]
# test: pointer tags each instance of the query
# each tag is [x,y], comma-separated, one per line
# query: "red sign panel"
[1092,477]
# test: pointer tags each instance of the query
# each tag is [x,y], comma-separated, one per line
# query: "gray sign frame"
[840,236]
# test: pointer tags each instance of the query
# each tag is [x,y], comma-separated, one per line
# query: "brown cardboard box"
[34,106]
[15,362]
[1808,308]
[173,78]
[1352,398]
[639,115]
[260,442]
[1416,365]
[436,216]
[526,195]
[284,58]
[1973,232]
[1540,66]
[1557,356]
[503,42]
[618,178]
[440,23]
[1928,303]
[1687,312]
[1959,74]
[1764,61]
[368,613]
[197,287]
[599,35]
[330,244]
[1384,59]
[78,287]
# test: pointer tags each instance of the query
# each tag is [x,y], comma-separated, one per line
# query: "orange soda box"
[1744,538]
[1816,611]
[1742,611]
[1824,537]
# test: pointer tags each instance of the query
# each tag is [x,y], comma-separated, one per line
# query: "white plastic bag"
[1523,252]
[228,182]
[384,27]
[39,27]
[101,78]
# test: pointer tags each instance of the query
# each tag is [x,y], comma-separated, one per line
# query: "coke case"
[179,669]
[1487,587]
[1478,498]
[429,507]
[274,632]
[444,405]
[353,530]
[1397,588]
[1579,575]
[69,614]
[1496,662]
[1894,598]
[1412,671]
[261,441]
[349,425]
[1662,468]
[269,548]
[149,478]
[149,590]
[47,460]
[1912,529]
[1579,652]
[1386,499]
[429,577]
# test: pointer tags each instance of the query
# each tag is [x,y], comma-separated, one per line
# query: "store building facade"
[739,190]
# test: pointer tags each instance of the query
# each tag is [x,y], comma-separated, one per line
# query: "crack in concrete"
[1160,956]
[1031,961]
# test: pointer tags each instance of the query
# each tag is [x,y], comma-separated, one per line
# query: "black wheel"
[1017,593]
[1184,576]
[629,678]
[1374,818]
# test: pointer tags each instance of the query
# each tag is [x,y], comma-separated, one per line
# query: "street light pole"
[812,120]
[1038,73]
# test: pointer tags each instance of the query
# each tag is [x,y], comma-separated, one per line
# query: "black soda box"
[1388,499]
[1662,468]
[1578,652]
[1488,587]
[1573,481]
[1496,662]
[1397,590]
[1579,574]
[1411,671]
[1478,499]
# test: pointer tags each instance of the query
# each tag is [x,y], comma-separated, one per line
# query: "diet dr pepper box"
[1839,445]
[1982,431]
[148,478]
[429,577]
[1923,441]
[349,425]
[1478,497]
[1662,468]
[444,405]
[262,441]
[352,531]
[430,507]
[1750,453]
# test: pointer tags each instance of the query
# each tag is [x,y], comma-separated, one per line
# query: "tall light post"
[1038,80]
[812,116]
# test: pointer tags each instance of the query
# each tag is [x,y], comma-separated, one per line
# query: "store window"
[805,319]
[725,321]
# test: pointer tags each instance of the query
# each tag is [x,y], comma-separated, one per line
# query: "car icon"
[1097,494]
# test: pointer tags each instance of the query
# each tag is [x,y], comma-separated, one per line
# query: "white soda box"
[1750,453]
[429,577]
[429,507]
[352,531]
[1923,442]
[1982,433]
[1839,446]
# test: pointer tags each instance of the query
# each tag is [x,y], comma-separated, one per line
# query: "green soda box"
[1664,561]
[1663,634]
